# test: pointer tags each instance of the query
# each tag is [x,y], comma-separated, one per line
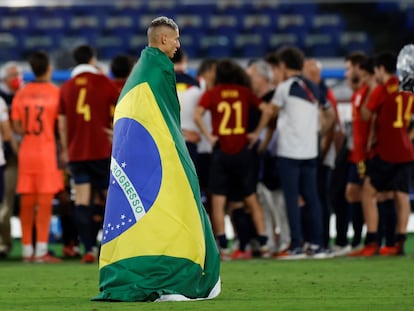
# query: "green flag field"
[263,284]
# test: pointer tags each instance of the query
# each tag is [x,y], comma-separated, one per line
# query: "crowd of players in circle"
[279,192]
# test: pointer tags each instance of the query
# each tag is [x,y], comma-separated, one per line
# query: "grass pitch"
[332,284]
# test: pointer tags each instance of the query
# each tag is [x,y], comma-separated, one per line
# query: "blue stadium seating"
[109,46]
[355,41]
[238,28]
[10,48]
[409,20]
[216,46]
[278,40]
[321,45]
[250,46]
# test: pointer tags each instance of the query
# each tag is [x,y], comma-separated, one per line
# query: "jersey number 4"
[82,107]
[228,109]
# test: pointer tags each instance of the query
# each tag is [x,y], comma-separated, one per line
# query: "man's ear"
[163,38]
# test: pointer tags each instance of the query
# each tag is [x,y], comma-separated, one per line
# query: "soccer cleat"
[388,251]
[29,259]
[339,251]
[317,252]
[241,255]
[71,251]
[395,250]
[293,254]
[368,250]
[88,258]
[47,259]
[225,254]
[265,252]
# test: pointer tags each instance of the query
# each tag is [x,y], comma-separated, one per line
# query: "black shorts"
[387,176]
[203,169]
[233,175]
[356,172]
[95,172]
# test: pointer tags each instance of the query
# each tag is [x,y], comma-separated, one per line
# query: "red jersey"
[88,100]
[229,106]
[36,107]
[360,128]
[394,110]
[119,84]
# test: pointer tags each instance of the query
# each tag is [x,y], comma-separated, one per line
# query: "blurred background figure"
[345,178]
[87,103]
[312,70]
[300,110]
[34,115]
[229,102]
[268,188]
[11,81]
[206,74]
[121,66]
[188,92]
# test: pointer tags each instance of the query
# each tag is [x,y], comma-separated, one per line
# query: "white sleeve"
[279,96]
[4,111]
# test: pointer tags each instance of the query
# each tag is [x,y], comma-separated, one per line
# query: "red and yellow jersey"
[229,106]
[394,110]
[119,84]
[88,100]
[360,128]
[36,107]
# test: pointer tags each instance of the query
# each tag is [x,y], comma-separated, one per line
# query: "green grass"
[333,284]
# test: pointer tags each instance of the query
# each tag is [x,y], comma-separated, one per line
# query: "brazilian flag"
[157,242]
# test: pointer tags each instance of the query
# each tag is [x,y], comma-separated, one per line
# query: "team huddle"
[275,131]
[266,141]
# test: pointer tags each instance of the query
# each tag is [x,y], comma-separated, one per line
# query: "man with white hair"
[11,82]
[268,189]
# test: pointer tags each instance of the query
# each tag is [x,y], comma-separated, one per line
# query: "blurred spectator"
[5,136]
[327,150]
[188,93]
[268,189]
[206,74]
[86,110]
[391,167]
[229,101]
[121,66]
[34,115]
[346,177]
[11,81]
[297,104]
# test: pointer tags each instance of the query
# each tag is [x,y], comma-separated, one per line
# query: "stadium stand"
[237,28]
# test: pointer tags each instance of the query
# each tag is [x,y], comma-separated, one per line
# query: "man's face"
[378,73]
[312,71]
[210,76]
[256,79]
[170,42]
[13,78]
[352,75]
[277,75]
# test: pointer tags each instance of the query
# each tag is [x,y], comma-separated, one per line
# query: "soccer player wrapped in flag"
[157,243]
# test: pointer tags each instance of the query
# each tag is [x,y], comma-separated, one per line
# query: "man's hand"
[110,133]
[252,137]
[212,139]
